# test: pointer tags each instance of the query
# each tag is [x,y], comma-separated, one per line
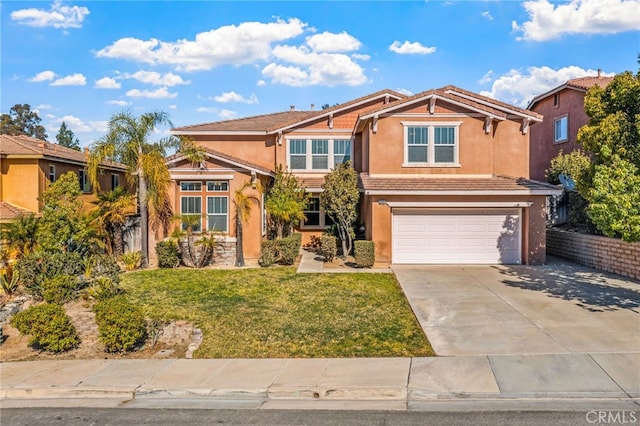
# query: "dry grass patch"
[275,313]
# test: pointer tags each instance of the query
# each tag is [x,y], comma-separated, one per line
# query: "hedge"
[168,254]
[328,247]
[283,251]
[121,324]
[49,326]
[364,253]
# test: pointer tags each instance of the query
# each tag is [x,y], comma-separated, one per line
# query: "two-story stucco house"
[563,111]
[29,165]
[443,174]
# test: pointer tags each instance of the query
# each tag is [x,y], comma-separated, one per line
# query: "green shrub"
[328,247]
[131,260]
[168,254]
[35,268]
[60,289]
[268,253]
[49,326]
[289,249]
[103,265]
[103,288]
[121,324]
[364,253]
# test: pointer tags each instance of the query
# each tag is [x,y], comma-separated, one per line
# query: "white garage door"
[467,236]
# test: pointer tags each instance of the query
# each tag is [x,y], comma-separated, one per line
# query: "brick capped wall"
[608,254]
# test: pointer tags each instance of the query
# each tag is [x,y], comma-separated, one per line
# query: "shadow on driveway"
[593,290]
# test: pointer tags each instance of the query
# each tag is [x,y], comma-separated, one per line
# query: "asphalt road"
[159,417]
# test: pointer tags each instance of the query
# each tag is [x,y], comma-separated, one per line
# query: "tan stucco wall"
[21,181]
[379,222]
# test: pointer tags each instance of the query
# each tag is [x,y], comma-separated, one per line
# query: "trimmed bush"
[49,326]
[35,268]
[103,288]
[289,248]
[103,265]
[268,253]
[364,253]
[121,324]
[60,289]
[168,254]
[328,247]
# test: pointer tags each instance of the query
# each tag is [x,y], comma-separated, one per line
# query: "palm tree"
[243,201]
[110,216]
[127,142]
[19,235]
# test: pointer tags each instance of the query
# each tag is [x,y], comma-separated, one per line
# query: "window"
[83,178]
[52,173]
[115,181]
[314,214]
[341,151]
[217,186]
[431,144]
[190,208]
[298,154]
[217,214]
[556,99]
[318,154]
[191,186]
[561,129]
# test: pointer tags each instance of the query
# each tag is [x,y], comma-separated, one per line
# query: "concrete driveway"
[512,310]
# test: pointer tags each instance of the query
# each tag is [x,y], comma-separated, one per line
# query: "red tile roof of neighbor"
[587,82]
[10,212]
[435,183]
[224,157]
[26,146]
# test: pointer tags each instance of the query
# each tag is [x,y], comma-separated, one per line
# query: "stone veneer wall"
[608,254]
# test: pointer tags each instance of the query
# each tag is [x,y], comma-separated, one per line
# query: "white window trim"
[309,154]
[321,218]
[555,120]
[181,213]
[263,215]
[206,185]
[190,190]
[431,125]
[216,214]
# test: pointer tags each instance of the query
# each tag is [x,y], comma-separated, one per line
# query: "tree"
[285,201]
[339,200]
[66,137]
[110,217]
[242,202]
[19,235]
[22,121]
[613,136]
[63,226]
[127,142]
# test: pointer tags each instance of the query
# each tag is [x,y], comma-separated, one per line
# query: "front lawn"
[275,312]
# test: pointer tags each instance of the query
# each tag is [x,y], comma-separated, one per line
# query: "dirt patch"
[174,340]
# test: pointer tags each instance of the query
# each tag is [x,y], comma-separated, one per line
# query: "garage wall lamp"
[382,202]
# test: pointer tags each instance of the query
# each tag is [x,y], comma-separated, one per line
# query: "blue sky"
[202,61]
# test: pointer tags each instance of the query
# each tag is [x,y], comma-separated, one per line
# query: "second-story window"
[561,129]
[430,144]
[317,154]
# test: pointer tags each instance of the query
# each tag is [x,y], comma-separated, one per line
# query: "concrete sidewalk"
[579,381]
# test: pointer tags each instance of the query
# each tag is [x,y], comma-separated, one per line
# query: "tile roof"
[587,82]
[10,212]
[221,155]
[435,183]
[25,146]
[310,182]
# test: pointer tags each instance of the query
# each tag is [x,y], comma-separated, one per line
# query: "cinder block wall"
[608,254]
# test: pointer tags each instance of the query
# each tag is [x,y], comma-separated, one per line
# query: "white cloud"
[261,83]
[487,15]
[43,106]
[487,78]
[118,102]
[58,16]
[548,21]
[519,88]
[160,93]
[173,106]
[71,80]
[207,109]
[43,76]
[75,124]
[235,97]
[157,79]
[404,91]
[99,126]
[331,42]
[311,68]
[360,56]
[226,114]
[230,44]
[408,48]
[107,83]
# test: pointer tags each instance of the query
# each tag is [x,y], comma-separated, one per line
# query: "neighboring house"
[29,165]
[563,112]
[443,174]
